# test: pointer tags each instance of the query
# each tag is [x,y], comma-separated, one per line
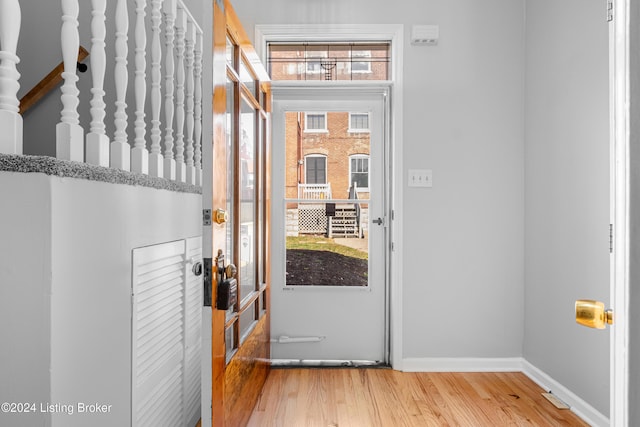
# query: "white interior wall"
[69,319]
[567,192]
[25,266]
[91,287]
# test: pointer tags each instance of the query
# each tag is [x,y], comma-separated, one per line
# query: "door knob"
[592,314]
[220,216]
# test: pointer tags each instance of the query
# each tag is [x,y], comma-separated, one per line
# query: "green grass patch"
[319,243]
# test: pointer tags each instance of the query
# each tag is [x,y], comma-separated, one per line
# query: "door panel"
[239,335]
[322,310]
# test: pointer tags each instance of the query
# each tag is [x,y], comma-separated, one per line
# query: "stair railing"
[10,118]
[183,40]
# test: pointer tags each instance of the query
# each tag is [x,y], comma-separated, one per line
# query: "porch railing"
[168,145]
[314,191]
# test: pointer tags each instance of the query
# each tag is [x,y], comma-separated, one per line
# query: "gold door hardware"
[592,314]
[220,216]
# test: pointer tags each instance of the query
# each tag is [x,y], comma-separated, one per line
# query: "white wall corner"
[463,364]
[581,408]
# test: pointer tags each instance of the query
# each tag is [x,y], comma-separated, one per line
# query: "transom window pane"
[333,61]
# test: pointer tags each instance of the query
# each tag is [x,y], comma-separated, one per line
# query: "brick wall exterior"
[337,144]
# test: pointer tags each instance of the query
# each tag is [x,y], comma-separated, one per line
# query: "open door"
[236,325]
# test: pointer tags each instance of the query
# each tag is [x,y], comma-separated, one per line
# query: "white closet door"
[158,335]
[193,331]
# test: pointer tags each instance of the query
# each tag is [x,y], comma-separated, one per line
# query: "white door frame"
[367,32]
[620,116]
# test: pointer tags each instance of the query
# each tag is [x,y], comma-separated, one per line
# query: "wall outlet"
[420,178]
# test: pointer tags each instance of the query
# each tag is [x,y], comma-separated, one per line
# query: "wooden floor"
[387,398]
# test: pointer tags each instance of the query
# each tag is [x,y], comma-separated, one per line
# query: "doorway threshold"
[308,363]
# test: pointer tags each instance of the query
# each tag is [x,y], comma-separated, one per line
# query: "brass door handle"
[220,216]
[592,314]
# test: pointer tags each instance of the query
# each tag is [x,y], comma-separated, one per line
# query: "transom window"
[358,122]
[359,171]
[315,122]
[329,61]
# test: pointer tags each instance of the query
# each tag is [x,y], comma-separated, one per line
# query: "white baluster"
[181,24]
[197,72]
[189,57]
[120,149]
[139,153]
[10,119]
[69,133]
[155,158]
[169,9]
[97,140]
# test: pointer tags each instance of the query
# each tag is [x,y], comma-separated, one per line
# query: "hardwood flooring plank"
[382,397]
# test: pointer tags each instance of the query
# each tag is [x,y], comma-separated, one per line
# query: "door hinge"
[610,10]
[610,238]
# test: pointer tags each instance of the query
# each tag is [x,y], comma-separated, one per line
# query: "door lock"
[592,314]
[378,221]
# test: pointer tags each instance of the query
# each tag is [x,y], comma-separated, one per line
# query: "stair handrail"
[49,82]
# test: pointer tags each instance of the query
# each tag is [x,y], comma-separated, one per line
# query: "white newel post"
[97,140]
[197,138]
[169,9]
[139,153]
[189,59]
[10,118]
[155,157]
[69,133]
[120,149]
[181,26]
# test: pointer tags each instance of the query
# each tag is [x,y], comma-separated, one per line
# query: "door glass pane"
[327,243]
[230,136]
[247,165]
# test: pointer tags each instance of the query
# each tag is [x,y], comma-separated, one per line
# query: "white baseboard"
[508,364]
[581,408]
[462,364]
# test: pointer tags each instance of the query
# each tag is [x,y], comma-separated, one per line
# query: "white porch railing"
[314,191]
[182,36]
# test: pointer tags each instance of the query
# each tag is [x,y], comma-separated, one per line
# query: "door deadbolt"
[378,221]
[592,314]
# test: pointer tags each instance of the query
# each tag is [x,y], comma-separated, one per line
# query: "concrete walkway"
[354,242]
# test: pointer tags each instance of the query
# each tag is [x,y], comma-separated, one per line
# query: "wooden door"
[240,177]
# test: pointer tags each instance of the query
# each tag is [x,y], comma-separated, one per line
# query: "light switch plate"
[420,178]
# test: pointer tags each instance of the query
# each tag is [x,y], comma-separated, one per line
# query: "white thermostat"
[426,35]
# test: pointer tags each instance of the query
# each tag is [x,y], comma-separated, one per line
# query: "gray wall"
[567,192]
[463,117]
[468,290]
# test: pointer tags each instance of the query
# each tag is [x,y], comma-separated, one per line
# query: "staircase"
[345,223]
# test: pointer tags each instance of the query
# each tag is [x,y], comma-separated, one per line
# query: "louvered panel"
[163,403]
[193,328]
[158,335]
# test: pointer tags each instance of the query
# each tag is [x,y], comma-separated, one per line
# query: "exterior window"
[359,171]
[315,170]
[358,122]
[342,60]
[361,61]
[315,122]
